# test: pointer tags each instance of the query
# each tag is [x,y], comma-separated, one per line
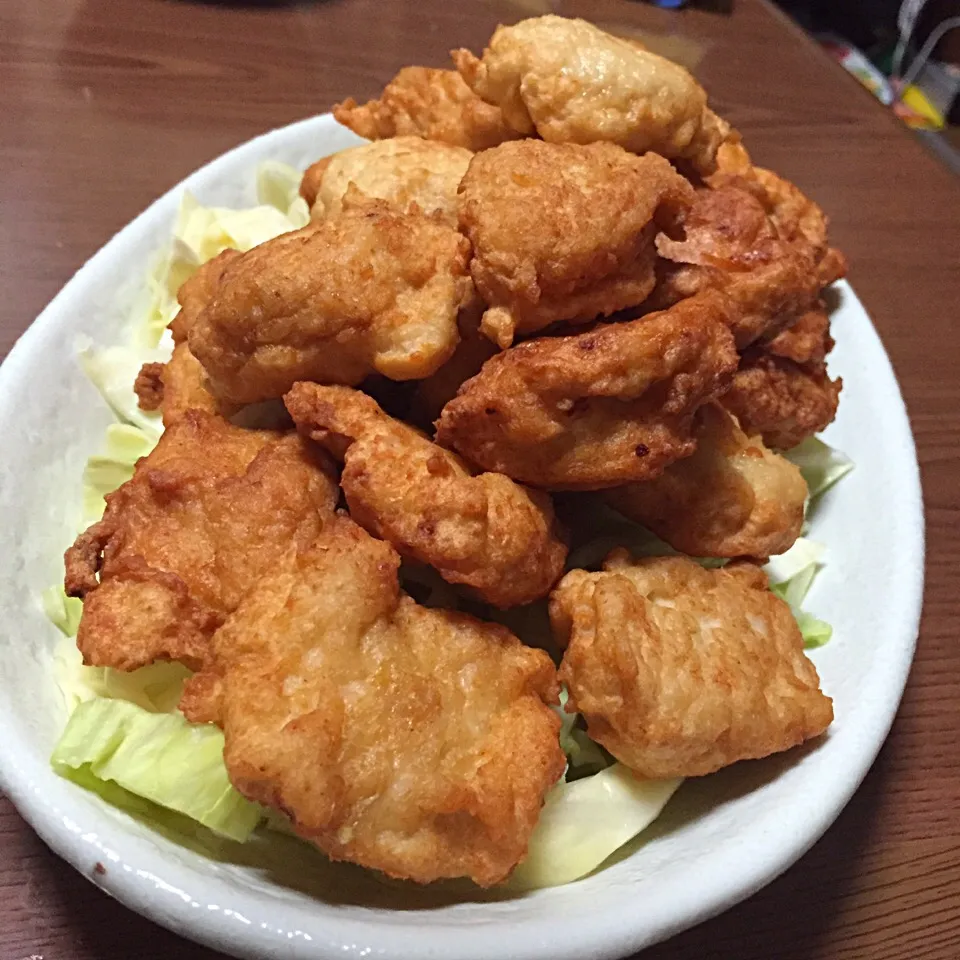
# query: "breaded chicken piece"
[206,514]
[679,670]
[570,82]
[732,498]
[731,245]
[408,740]
[473,351]
[371,290]
[806,340]
[599,409]
[181,384]
[176,386]
[564,232]
[198,290]
[782,401]
[433,104]
[483,531]
[403,171]
[794,216]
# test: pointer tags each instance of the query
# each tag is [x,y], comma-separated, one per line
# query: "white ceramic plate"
[720,839]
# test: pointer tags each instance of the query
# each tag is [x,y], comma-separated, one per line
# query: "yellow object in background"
[916,111]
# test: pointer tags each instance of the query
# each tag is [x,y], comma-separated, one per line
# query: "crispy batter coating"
[599,409]
[563,231]
[483,531]
[795,217]
[782,401]
[433,104]
[404,171]
[206,514]
[473,351]
[408,740]
[571,82]
[680,671]
[198,290]
[149,386]
[732,498]
[732,245]
[807,339]
[176,386]
[371,290]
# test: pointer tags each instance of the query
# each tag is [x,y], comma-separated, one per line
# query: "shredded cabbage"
[820,464]
[584,756]
[103,473]
[791,575]
[159,757]
[113,370]
[155,688]
[585,821]
[63,611]
[200,233]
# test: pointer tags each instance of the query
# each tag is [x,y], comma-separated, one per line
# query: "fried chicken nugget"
[177,386]
[600,409]
[433,104]
[371,290]
[408,740]
[473,351]
[570,82]
[180,384]
[782,401]
[563,231]
[483,531]
[732,498]
[732,245]
[679,670]
[403,171]
[205,515]
[795,217]
[198,290]
[806,340]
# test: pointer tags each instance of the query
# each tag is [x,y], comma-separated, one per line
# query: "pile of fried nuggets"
[572,191]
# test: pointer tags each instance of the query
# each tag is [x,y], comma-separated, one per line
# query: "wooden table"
[104,105]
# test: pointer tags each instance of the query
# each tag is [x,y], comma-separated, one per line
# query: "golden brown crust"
[413,741]
[564,232]
[731,245]
[806,340]
[732,498]
[197,291]
[207,512]
[679,670]
[313,178]
[570,82]
[483,531]
[795,217]
[371,290]
[473,351]
[599,409]
[782,401]
[433,104]
[149,386]
[408,172]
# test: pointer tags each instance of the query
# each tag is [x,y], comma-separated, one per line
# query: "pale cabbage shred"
[122,724]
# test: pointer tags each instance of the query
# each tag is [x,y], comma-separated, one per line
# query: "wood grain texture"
[106,105]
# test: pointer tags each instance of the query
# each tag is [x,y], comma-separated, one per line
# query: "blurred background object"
[905,52]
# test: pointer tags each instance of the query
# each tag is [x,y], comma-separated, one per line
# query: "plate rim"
[143,891]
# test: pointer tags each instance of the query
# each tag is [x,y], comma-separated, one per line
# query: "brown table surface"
[104,105]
